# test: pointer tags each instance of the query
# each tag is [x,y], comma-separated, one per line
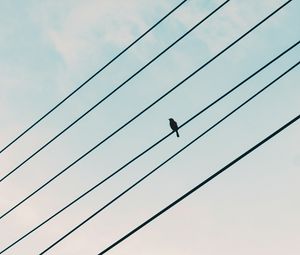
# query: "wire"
[111,93]
[94,75]
[199,186]
[197,70]
[145,151]
[170,158]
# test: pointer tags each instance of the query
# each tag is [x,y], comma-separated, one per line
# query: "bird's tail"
[177,133]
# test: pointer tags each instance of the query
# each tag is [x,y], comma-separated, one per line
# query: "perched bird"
[173,125]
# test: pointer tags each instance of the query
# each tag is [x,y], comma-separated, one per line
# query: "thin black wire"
[180,83]
[199,185]
[170,158]
[111,93]
[145,151]
[94,75]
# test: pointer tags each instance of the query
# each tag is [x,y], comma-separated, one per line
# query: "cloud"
[228,22]
[88,26]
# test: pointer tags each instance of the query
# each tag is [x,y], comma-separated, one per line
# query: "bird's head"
[170,119]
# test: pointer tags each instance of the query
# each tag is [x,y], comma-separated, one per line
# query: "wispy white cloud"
[89,25]
[234,17]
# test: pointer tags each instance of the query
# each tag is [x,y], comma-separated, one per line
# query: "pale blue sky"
[48,48]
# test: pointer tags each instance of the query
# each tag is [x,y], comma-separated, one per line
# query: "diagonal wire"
[148,107]
[170,158]
[94,75]
[199,185]
[145,151]
[112,92]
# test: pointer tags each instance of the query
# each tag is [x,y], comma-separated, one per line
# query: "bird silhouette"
[173,125]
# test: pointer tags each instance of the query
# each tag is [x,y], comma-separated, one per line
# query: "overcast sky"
[48,48]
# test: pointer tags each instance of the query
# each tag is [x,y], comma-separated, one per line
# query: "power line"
[170,158]
[111,93]
[198,186]
[145,151]
[94,75]
[148,107]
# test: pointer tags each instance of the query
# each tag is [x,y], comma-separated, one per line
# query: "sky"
[48,48]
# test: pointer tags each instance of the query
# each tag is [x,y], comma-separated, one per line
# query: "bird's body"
[173,125]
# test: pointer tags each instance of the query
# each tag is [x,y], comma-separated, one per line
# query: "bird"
[173,125]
